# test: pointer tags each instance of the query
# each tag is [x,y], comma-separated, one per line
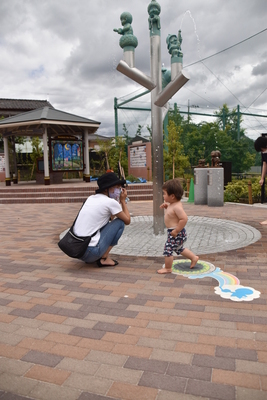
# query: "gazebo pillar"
[86,174]
[46,163]
[7,170]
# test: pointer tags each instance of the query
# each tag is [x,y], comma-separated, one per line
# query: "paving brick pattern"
[76,332]
[204,236]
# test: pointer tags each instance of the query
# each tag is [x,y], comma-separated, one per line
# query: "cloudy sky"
[65,51]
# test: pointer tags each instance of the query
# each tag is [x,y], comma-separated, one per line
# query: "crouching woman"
[105,213]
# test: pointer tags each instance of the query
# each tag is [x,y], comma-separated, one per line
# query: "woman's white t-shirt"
[96,213]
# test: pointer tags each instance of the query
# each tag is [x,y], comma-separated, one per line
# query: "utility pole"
[188,111]
[238,122]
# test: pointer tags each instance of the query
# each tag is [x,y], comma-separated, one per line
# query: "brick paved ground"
[73,331]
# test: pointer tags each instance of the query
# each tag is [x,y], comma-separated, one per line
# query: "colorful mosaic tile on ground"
[229,285]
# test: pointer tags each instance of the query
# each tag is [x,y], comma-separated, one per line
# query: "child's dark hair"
[260,143]
[173,186]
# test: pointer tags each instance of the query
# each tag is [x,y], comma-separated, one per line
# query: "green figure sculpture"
[162,84]
[154,19]
[174,45]
[128,40]
[166,77]
[180,39]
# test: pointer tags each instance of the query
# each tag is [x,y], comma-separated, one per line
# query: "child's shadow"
[185,266]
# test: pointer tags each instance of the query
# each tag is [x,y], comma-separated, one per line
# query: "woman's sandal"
[99,264]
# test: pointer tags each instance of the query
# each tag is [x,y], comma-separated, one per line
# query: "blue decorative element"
[237,292]
[229,285]
[138,180]
[243,292]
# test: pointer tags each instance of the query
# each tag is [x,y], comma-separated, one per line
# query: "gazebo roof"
[10,107]
[58,122]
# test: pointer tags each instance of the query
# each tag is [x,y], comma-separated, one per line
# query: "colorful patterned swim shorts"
[174,243]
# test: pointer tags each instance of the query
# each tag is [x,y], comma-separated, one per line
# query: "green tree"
[231,121]
[194,146]
[238,153]
[200,140]
[237,148]
[175,161]
[139,129]
[148,127]
[105,147]
[126,134]
[175,116]
[118,155]
[37,152]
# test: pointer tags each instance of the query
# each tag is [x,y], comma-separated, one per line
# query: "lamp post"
[159,97]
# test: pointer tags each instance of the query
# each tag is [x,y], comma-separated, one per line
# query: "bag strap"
[71,228]
[77,215]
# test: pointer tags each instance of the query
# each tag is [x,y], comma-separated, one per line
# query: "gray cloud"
[260,69]
[66,51]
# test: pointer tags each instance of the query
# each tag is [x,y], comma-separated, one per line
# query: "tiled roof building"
[10,107]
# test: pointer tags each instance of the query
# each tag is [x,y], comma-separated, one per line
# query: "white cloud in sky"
[66,52]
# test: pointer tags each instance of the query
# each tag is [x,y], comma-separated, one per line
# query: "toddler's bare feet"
[264,222]
[194,261]
[164,271]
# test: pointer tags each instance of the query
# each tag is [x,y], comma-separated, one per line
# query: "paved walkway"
[73,331]
[205,236]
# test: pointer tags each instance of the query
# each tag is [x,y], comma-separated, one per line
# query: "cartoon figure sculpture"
[161,83]
[215,158]
[127,39]
[154,11]
[180,39]
[174,45]
[201,163]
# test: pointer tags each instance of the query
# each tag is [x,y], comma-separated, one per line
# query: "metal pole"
[7,170]
[159,97]
[223,119]
[116,117]
[86,156]
[46,164]
[132,98]
[157,132]
[188,110]
[238,122]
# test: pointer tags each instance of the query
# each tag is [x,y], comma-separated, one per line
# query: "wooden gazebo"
[49,124]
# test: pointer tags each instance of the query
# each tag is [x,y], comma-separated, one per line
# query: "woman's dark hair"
[173,186]
[260,143]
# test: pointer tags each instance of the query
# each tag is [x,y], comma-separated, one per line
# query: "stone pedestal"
[215,192]
[86,178]
[200,185]
[54,178]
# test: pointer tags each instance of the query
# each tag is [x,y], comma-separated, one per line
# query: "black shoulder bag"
[72,245]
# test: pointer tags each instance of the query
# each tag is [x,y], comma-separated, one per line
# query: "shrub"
[132,178]
[237,191]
